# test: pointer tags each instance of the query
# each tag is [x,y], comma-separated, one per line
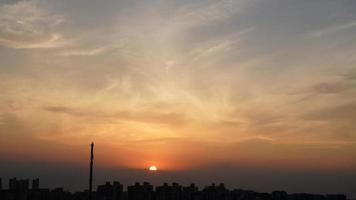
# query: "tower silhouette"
[91,170]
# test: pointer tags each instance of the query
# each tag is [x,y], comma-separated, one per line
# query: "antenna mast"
[91,170]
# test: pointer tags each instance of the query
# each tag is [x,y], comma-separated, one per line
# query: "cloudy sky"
[193,87]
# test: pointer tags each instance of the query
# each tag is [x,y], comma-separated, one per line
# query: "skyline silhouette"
[19,189]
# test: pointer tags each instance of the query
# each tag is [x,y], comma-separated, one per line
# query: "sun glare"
[152,168]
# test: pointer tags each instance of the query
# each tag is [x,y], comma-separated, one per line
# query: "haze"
[256,93]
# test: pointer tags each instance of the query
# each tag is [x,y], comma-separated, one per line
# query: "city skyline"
[20,189]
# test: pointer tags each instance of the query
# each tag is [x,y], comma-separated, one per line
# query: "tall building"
[12,184]
[190,192]
[110,191]
[140,192]
[117,190]
[36,184]
[214,192]
[21,185]
[166,192]
[105,191]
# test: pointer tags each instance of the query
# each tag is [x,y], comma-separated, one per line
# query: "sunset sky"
[205,86]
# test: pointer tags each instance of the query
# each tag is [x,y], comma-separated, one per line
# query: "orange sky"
[179,85]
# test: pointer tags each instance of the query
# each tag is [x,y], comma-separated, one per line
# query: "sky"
[256,93]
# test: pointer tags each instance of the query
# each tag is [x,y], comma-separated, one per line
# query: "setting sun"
[153,168]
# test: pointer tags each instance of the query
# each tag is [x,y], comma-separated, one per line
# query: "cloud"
[220,45]
[54,41]
[125,115]
[343,112]
[11,126]
[83,52]
[340,84]
[332,87]
[62,109]
[27,25]
[226,82]
[332,29]
[197,15]
[351,75]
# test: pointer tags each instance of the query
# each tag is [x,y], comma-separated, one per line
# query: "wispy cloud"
[54,41]
[220,45]
[27,25]
[168,118]
[219,71]
[333,29]
[195,15]
[83,52]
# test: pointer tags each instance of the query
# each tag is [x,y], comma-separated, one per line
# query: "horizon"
[116,190]
[257,93]
[76,178]
[140,183]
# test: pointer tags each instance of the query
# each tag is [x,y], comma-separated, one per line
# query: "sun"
[152,168]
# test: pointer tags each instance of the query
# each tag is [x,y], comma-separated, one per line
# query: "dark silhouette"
[20,190]
[91,170]
[35,184]
[138,192]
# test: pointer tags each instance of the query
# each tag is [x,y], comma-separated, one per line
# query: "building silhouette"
[166,192]
[36,184]
[215,192]
[140,192]
[110,191]
[18,189]
[190,192]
